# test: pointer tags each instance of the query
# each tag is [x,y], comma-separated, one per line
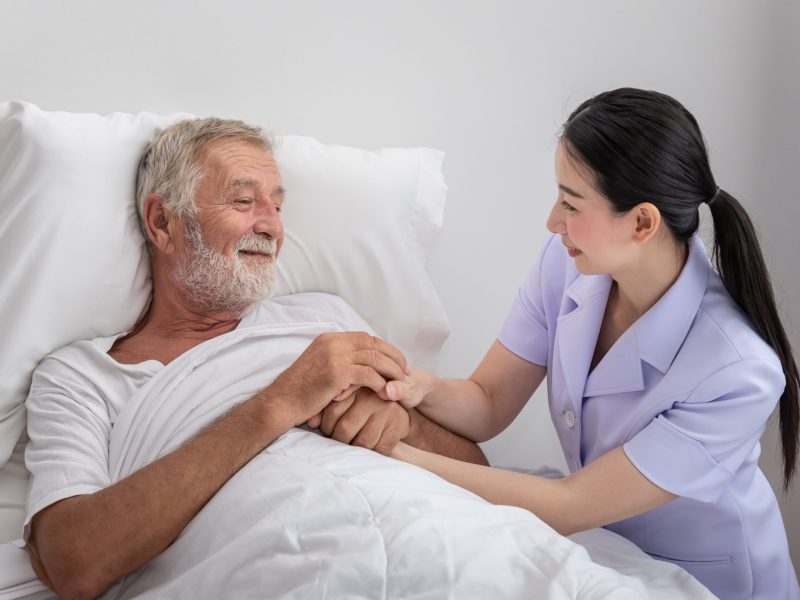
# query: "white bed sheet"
[13,485]
[326,508]
[18,581]
[310,517]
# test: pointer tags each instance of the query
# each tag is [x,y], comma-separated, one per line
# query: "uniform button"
[569,418]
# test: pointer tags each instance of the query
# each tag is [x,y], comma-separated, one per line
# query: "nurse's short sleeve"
[69,429]
[694,448]
[525,331]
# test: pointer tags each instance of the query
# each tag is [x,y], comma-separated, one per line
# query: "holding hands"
[377,420]
[332,368]
[359,390]
[412,390]
[364,419]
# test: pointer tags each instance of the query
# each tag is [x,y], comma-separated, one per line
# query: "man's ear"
[159,223]
[647,221]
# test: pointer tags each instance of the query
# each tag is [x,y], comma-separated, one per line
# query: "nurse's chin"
[584,267]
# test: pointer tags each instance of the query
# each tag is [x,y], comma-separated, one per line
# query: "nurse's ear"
[647,221]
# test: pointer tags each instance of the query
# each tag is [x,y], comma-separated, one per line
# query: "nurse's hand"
[411,392]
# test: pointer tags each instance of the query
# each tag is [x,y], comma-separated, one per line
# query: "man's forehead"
[239,163]
[231,149]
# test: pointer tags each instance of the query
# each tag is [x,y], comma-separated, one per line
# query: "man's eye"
[244,201]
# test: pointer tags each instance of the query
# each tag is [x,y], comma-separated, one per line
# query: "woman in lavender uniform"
[662,367]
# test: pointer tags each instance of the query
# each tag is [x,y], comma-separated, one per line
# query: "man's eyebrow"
[567,190]
[239,183]
[246,181]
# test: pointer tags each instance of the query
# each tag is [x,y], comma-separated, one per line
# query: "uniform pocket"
[706,561]
[717,573]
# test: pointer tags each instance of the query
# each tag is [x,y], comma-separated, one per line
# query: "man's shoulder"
[78,352]
[72,363]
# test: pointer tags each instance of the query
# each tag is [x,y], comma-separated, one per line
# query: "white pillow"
[358,224]
[71,255]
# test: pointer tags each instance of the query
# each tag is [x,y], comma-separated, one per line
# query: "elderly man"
[209,199]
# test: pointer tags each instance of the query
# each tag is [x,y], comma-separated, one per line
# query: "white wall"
[488,82]
[776,209]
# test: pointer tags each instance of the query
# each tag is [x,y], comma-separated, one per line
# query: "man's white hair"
[170,166]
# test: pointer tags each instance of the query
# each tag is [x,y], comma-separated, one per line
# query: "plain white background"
[487,82]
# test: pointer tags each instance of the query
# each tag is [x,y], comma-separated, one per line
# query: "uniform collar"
[661,330]
[577,331]
[654,338]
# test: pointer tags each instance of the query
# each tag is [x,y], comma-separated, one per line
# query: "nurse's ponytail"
[741,266]
[643,145]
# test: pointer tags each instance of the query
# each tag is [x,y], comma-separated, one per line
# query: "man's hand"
[331,368]
[364,419]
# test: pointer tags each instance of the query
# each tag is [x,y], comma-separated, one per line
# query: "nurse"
[662,370]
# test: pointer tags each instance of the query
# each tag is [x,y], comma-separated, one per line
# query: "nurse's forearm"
[607,491]
[485,404]
[477,408]
[429,436]
[547,498]
[462,406]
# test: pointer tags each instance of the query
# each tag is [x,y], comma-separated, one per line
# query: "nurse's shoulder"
[734,327]
[722,339]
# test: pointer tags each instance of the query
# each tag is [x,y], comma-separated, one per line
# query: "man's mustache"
[256,243]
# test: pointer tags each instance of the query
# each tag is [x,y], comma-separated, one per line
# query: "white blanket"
[312,518]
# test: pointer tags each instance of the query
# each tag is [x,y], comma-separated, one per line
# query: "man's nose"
[268,221]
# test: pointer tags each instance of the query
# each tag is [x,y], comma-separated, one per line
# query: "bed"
[341,521]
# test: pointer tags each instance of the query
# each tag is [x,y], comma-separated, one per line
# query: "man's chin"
[231,286]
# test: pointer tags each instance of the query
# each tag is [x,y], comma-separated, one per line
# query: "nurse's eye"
[568,207]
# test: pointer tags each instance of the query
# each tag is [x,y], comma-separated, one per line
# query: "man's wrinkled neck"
[175,317]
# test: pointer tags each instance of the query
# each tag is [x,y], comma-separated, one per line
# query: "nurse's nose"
[555,221]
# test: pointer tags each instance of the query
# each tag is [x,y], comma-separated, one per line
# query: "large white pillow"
[71,255]
[361,224]
[358,224]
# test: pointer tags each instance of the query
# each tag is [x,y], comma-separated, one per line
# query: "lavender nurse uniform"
[686,391]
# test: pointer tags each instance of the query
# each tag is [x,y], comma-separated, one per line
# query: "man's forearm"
[430,436]
[86,543]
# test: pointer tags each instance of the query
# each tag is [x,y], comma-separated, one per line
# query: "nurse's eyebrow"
[566,190]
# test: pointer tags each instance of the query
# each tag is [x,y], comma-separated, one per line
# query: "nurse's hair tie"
[714,197]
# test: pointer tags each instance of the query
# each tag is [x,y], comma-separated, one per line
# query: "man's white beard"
[215,282]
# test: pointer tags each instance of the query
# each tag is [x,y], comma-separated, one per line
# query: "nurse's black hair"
[645,146]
